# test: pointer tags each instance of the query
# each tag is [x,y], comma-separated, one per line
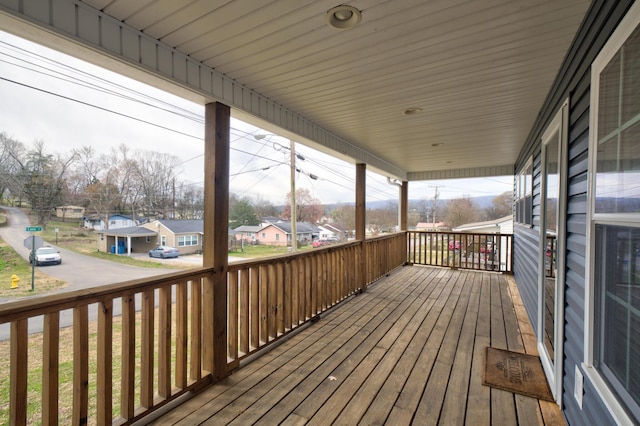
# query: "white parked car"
[45,256]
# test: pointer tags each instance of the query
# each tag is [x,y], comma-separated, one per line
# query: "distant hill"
[481,202]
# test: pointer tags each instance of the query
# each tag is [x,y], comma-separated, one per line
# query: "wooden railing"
[383,254]
[133,347]
[486,252]
[270,297]
[129,348]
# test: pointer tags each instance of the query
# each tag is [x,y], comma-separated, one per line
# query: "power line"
[101,108]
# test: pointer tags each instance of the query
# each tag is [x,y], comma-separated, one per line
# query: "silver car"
[164,252]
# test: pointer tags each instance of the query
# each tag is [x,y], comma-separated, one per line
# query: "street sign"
[34,228]
[33,242]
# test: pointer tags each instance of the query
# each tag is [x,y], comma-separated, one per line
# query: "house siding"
[573,81]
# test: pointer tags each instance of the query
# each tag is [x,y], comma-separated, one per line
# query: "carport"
[127,240]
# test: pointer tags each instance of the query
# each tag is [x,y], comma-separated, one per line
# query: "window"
[163,240]
[187,240]
[615,220]
[524,192]
[277,237]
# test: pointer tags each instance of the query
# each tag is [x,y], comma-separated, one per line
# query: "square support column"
[216,235]
[404,205]
[361,191]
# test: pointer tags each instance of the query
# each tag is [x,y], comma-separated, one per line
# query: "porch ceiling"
[479,70]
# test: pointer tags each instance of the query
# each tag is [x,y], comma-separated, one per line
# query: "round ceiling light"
[343,17]
[412,110]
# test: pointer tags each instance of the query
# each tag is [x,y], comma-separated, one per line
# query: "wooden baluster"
[127,403]
[104,373]
[182,337]
[148,351]
[18,373]
[80,365]
[164,343]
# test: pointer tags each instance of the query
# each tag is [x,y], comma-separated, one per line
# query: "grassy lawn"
[12,263]
[65,401]
[254,252]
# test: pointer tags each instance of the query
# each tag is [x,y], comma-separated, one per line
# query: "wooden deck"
[407,351]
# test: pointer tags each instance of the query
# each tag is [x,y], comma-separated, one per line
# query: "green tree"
[242,213]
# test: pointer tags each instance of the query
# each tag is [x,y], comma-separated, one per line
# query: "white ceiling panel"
[478,69]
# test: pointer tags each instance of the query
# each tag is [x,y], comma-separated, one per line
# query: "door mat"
[516,372]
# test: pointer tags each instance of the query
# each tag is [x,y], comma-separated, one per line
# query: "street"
[77,270]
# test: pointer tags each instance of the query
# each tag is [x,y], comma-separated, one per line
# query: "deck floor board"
[410,350]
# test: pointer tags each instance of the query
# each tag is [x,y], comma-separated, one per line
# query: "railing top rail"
[283,258]
[31,307]
[385,236]
[461,233]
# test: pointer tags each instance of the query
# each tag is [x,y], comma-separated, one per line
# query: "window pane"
[618,298]
[618,173]
[631,77]
[609,96]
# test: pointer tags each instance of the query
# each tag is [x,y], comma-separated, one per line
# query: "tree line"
[146,184]
[138,183]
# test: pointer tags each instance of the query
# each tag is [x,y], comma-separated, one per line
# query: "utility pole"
[435,205]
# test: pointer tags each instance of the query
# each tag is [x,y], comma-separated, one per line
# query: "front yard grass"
[258,251]
[12,263]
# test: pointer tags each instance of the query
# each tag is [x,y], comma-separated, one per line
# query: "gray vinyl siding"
[573,81]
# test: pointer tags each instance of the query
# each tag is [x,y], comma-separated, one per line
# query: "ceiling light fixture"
[343,17]
[412,110]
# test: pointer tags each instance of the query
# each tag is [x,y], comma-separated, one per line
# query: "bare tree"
[125,174]
[156,177]
[460,211]
[502,206]
[11,154]
[264,208]
[189,201]
[308,209]
[42,177]
[383,219]
[344,216]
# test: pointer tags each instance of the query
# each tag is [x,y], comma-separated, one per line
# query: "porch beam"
[216,225]
[361,192]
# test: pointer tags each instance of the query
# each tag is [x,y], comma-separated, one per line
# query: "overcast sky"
[47,96]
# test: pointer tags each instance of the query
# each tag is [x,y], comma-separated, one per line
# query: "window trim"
[624,30]
[558,127]
[192,239]
[522,194]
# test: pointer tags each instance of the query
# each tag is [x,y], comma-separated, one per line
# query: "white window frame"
[187,240]
[557,128]
[615,42]
[522,192]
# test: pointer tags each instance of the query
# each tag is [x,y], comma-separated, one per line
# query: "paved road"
[77,270]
